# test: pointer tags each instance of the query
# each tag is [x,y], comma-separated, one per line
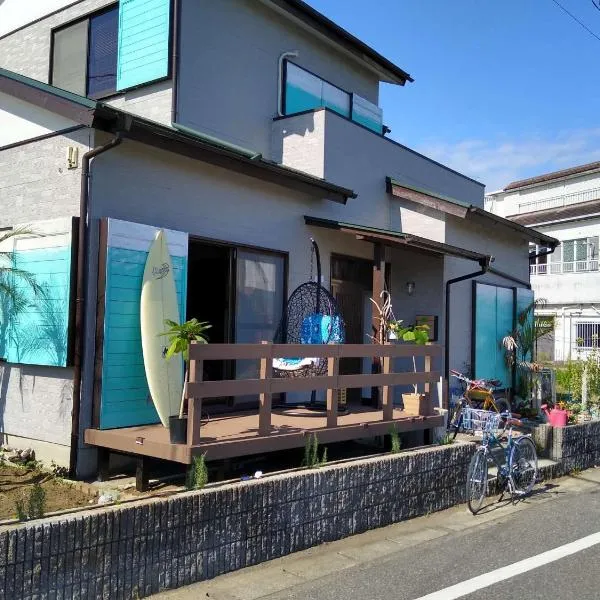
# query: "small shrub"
[37,502]
[20,511]
[58,470]
[446,440]
[311,453]
[197,475]
[395,443]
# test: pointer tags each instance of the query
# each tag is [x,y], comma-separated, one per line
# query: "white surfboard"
[158,303]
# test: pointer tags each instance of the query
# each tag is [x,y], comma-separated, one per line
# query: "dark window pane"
[69,58]
[102,63]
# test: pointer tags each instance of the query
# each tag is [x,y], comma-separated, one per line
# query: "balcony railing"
[559,201]
[559,268]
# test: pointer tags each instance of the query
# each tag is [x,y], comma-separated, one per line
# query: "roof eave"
[301,11]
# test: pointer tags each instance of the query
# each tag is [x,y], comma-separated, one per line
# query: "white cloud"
[497,162]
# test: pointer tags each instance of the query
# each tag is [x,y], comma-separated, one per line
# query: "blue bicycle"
[518,471]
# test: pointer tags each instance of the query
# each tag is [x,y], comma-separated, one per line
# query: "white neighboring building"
[566,205]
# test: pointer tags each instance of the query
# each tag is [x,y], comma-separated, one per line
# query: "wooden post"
[333,364]
[195,405]
[378,287]
[387,394]
[141,474]
[264,415]
[427,370]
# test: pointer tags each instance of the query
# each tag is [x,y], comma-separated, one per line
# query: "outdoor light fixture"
[410,287]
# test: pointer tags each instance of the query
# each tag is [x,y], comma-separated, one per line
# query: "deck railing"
[559,201]
[558,268]
[267,385]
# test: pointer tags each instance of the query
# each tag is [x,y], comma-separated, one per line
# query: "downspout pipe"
[80,320]
[485,265]
[176,42]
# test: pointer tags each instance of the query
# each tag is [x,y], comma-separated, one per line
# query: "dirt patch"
[17,482]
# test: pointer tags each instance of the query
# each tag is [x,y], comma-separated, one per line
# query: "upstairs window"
[116,49]
[84,56]
[305,91]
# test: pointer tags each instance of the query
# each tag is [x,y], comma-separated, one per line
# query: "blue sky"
[503,90]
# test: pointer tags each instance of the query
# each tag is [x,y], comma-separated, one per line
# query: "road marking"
[482,581]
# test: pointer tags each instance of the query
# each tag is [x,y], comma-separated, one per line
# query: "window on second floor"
[579,254]
[123,46]
[84,58]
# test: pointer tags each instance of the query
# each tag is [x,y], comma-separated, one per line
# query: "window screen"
[588,335]
[102,59]
[69,58]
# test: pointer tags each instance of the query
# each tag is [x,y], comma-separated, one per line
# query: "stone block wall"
[573,447]
[140,549]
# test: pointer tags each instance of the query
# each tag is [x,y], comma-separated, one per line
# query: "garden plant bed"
[16,483]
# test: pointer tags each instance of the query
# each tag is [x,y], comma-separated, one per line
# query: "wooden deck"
[237,434]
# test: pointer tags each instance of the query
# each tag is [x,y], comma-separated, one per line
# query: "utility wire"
[576,19]
[596,4]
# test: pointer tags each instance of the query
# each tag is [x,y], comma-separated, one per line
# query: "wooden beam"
[195,404]
[387,394]
[332,393]
[264,414]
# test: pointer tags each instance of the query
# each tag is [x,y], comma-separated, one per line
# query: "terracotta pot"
[417,404]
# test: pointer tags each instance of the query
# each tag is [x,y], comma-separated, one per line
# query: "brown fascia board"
[320,23]
[43,99]
[464,211]
[167,138]
[429,200]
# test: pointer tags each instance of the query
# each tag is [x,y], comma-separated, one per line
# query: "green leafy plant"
[37,502]
[58,470]
[311,453]
[395,442]
[20,510]
[197,475]
[180,338]
[412,334]
[32,506]
[445,440]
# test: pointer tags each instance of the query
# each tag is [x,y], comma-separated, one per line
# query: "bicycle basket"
[475,419]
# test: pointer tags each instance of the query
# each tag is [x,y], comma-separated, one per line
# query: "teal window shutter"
[125,399]
[143,46]
[35,330]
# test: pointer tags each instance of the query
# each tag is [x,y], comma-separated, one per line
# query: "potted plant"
[180,338]
[414,403]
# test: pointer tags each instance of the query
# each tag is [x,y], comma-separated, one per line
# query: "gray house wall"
[36,401]
[229,68]
[27,51]
[360,159]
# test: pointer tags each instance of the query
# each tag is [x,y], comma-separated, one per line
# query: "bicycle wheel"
[523,465]
[477,481]
[456,418]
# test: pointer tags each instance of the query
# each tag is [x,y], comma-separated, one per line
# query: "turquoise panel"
[37,331]
[494,313]
[370,123]
[143,47]
[125,398]
[298,100]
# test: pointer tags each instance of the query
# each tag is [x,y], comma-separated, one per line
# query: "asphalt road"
[412,560]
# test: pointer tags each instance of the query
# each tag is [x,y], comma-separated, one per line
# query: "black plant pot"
[178,430]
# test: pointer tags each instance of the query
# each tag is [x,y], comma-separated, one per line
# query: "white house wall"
[20,121]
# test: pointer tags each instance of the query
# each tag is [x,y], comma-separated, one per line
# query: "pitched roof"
[108,118]
[594,166]
[299,10]
[562,213]
[464,210]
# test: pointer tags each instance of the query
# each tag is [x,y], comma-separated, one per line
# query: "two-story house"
[565,205]
[243,128]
